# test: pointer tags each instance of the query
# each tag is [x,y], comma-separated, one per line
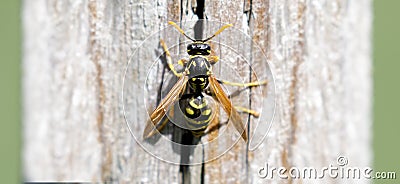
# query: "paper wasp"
[194,84]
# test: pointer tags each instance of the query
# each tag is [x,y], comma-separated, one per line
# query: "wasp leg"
[249,111]
[169,59]
[213,59]
[216,125]
[250,84]
[182,62]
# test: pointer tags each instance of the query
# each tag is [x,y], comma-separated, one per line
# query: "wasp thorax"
[199,82]
[198,66]
[198,49]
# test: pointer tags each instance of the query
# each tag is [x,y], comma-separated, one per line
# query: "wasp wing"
[223,99]
[159,112]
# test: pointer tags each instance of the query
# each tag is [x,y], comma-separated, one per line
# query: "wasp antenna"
[180,30]
[219,31]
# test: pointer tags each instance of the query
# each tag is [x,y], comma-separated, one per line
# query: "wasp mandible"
[194,83]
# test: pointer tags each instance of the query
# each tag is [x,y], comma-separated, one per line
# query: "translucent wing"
[162,108]
[223,99]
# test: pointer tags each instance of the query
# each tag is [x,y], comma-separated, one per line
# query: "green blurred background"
[10,92]
[386,89]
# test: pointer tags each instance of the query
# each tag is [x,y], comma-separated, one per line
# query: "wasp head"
[198,48]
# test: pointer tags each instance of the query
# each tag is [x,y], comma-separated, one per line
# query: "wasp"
[195,83]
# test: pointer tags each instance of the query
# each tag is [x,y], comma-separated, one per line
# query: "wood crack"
[248,11]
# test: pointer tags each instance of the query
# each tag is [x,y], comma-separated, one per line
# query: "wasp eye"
[191,47]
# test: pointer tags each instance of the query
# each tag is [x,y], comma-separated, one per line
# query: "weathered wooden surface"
[75,54]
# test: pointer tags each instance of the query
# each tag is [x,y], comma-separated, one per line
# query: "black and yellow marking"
[198,114]
[189,111]
[206,112]
[195,103]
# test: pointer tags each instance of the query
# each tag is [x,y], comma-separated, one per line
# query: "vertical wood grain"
[75,54]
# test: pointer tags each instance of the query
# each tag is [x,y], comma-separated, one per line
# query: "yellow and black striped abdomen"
[198,114]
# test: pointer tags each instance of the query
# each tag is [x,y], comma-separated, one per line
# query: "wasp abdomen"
[198,114]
